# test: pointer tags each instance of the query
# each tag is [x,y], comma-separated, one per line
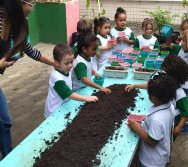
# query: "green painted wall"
[33,27]
[48,22]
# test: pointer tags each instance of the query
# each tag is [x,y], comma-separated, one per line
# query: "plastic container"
[125,64]
[115,73]
[155,50]
[127,51]
[159,60]
[138,49]
[150,60]
[144,54]
[99,80]
[117,52]
[137,118]
[119,59]
[112,58]
[135,52]
[136,66]
[131,57]
[167,31]
[114,63]
[154,53]
[149,64]
[164,52]
[140,60]
[162,56]
[152,56]
[142,75]
[157,65]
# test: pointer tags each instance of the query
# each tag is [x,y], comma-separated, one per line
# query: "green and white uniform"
[103,59]
[142,40]
[181,105]
[184,55]
[60,88]
[82,67]
[128,34]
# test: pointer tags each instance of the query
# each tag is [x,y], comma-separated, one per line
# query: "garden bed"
[90,130]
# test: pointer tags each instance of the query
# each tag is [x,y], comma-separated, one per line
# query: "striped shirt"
[6,45]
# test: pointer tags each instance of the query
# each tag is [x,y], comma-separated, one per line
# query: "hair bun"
[96,21]
[121,10]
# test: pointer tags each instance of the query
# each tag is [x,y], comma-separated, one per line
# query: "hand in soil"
[134,125]
[105,90]
[92,99]
[128,88]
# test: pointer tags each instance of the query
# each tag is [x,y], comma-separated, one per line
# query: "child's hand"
[134,125]
[176,131]
[96,75]
[164,46]
[128,88]
[121,39]
[110,45]
[98,54]
[105,90]
[91,99]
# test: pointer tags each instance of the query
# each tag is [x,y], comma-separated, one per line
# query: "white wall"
[135,9]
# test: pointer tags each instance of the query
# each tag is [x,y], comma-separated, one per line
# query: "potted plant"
[161,17]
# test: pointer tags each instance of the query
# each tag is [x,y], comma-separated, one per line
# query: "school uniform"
[184,55]
[103,59]
[158,125]
[181,105]
[60,88]
[82,67]
[128,34]
[142,40]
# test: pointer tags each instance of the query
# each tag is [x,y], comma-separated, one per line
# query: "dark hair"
[84,27]
[183,22]
[14,14]
[162,87]
[60,51]
[99,22]
[177,68]
[119,10]
[85,40]
[146,22]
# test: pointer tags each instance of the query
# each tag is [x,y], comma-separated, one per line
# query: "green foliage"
[185,4]
[91,11]
[161,17]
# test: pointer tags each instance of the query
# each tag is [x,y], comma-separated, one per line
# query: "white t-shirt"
[103,59]
[158,124]
[54,101]
[122,45]
[146,41]
[77,84]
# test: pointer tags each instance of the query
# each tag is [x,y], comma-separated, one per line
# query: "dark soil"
[115,68]
[144,70]
[88,133]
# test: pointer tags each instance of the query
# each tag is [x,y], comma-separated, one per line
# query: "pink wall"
[72,17]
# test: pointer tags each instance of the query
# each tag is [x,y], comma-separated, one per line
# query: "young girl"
[176,68]
[155,132]
[147,38]
[102,30]
[182,49]
[60,82]
[87,47]
[120,20]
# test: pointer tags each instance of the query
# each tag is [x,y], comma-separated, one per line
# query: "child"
[102,30]
[147,38]
[176,68]
[60,83]
[83,27]
[182,50]
[155,132]
[120,20]
[87,46]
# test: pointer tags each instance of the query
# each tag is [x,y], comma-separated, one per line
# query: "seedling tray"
[115,72]
[140,75]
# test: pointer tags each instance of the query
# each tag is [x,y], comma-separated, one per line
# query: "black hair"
[163,87]
[13,13]
[85,40]
[183,22]
[177,68]
[60,51]
[99,22]
[119,11]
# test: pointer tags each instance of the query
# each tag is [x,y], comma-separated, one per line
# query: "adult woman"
[13,39]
